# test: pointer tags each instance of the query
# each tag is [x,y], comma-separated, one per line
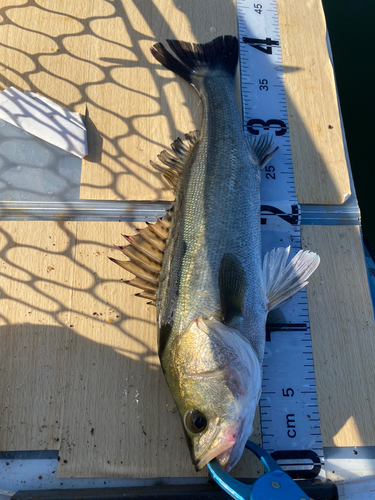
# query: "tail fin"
[197,59]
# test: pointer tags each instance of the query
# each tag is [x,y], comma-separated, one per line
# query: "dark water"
[351,28]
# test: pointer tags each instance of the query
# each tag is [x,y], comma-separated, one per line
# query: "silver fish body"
[215,220]
[216,212]
[206,276]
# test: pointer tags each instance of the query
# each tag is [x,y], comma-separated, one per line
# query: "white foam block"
[45,119]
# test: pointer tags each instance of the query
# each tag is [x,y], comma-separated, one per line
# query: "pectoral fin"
[232,286]
[281,281]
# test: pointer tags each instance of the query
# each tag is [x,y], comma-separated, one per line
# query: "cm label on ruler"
[289,411]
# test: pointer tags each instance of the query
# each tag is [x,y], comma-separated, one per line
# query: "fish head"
[216,384]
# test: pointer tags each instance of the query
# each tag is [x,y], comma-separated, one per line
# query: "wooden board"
[104,403]
[37,268]
[120,419]
[343,335]
[319,162]
[94,57]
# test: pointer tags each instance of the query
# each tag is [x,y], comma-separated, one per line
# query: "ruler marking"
[287,344]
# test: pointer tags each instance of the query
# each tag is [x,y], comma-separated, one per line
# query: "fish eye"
[195,421]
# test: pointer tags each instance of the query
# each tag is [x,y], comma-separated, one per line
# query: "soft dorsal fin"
[174,164]
[232,287]
[259,149]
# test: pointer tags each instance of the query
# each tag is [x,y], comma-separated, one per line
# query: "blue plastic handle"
[274,485]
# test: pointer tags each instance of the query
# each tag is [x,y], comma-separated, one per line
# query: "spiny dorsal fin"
[140,259]
[146,295]
[146,249]
[147,234]
[174,164]
[143,284]
[145,252]
[137,270]
[166,221]
[159,229]
[143,246]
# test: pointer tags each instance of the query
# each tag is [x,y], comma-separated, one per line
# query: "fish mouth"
[221,450]
[223,459]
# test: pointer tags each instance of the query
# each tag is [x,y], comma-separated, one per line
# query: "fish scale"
[288,405]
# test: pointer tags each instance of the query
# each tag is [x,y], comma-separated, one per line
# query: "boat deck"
[79,367]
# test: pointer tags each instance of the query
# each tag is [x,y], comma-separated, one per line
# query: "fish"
[201,264]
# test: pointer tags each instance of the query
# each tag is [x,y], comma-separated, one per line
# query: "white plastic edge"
[357,489]
[45,119]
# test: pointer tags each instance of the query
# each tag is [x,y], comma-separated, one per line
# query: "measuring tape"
[288,405]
